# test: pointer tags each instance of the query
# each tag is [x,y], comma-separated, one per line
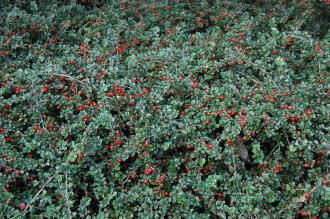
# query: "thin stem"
[66,76]
[36,195]
[263,71]
[66,193]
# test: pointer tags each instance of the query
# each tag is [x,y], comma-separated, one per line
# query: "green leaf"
[292,148]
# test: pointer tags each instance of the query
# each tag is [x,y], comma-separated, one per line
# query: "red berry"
[210,146]
[46,88]
[242,117]
[242,124]
[18,89]
[306,165]
[222,97]
[290,107]
[308,196]
[219,194]
[86,118]
[145,182]
[166,194]
[22,206]
[7,170]
[148,171]
[71,62]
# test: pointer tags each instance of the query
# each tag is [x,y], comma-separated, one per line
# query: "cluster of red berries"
[277,168]
[318,48]
[83,50]
[117,89]
[290,42]
[120,48]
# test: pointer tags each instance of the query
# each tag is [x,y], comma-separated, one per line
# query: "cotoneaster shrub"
[165,109]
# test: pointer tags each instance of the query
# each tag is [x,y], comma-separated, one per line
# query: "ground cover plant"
[164,109]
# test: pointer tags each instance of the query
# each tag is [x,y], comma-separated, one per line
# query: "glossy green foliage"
[168,109]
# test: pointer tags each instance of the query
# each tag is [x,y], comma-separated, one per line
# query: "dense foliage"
[166,109]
